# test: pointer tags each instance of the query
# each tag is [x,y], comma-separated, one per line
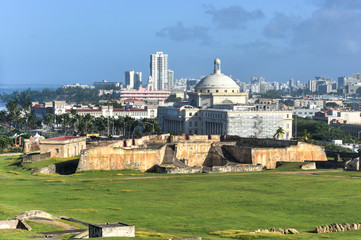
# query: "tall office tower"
[291,83]
[138,80]
[129,79]
[170,79]
[159,70]
[133,79]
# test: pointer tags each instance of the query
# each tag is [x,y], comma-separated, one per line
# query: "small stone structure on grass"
[334,227]
[63,147]
[117,229]
[14,224]
[277,230]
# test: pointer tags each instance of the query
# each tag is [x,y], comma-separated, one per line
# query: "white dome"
[217,80]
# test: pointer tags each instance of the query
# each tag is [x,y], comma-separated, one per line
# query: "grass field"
[188,205]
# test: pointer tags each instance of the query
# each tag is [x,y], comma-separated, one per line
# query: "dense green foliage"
[173,98]
[76,94]
[188,205]
[320,131]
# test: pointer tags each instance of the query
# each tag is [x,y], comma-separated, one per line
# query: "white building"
[133,80]
[218,107]
[159,70]
[170,84]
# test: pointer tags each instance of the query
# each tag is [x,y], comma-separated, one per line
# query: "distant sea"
[8,89]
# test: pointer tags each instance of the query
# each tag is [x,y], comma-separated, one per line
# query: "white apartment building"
[159,70]
[133,80]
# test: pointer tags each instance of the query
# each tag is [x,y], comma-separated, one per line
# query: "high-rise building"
[133,79]
[138,82]
[170,84]
[129,79]
[159,70]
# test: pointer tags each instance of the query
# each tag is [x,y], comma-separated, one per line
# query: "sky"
[51,43]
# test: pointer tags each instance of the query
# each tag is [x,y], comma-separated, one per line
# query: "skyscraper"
[133,79]
[170,84]
[159,70]
[129,79]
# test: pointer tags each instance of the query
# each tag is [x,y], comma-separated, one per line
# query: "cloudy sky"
[64,41]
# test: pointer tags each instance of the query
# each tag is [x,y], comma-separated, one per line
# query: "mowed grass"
[189,205]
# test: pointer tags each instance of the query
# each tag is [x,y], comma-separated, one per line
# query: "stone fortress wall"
[196,153]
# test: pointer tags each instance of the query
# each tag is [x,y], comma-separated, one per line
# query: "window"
[233,91]
[57,150]
[190,114]
[216,91]
[208,91]
[190,124]
[196,124]
[225,90]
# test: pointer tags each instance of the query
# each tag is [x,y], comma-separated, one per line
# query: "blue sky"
[64,41]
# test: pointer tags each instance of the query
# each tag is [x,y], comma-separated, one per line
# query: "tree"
[49,119]
[279,133]
[150,126]
[5,141]
[306,136]
[13,113]
[173,98]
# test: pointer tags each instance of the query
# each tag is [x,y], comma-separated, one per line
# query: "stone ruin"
[334,227]
[277,230]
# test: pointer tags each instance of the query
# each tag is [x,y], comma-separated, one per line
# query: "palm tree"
[279,133]
[306,136]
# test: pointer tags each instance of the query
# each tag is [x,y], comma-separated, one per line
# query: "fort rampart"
[197,151]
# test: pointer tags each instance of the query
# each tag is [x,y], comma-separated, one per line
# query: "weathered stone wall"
[178,170]
[111,230]
[63,147]
[268,157]
[241,154]
[35,157]
[117,156]
[237,168]
[194,152]
[112,157]
[259,142]
[14,224]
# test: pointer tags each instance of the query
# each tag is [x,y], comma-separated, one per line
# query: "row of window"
[208,91]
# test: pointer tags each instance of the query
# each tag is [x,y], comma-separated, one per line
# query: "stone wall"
[237,168]
[14,224]
[111,230]
[259,142]
[143,155]
[268,157]
[63,147]
[194,153]
[35,157]
[113,157]
[241,154]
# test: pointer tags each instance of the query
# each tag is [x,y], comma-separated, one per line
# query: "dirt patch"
[65,226]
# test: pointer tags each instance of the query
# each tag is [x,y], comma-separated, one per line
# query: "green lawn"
[188,205]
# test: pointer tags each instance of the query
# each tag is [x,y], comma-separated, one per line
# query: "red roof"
[62,138]
[132,100]
[179,106]
[129,109]
[38,106]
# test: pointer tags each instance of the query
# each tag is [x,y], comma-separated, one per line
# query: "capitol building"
[218,107]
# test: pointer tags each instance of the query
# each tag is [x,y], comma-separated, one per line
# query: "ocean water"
[8,89]
[38,87]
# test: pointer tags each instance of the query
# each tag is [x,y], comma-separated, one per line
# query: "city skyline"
[64,42]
